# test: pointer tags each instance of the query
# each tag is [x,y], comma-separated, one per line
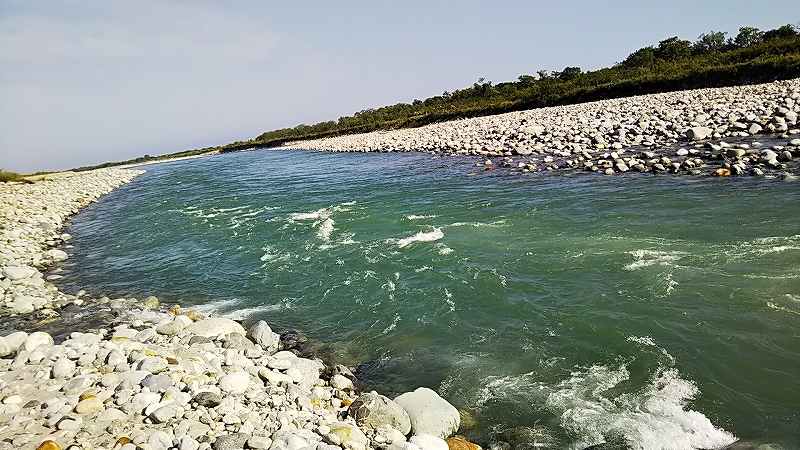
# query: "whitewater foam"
[325,229]
[654,418]
[647,258]
[422,236]
[418,217]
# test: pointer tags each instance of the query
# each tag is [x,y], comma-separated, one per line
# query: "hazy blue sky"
[85,82]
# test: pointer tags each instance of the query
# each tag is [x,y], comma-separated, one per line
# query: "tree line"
[713,60]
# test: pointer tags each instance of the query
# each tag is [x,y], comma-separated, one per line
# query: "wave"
[422,236]
[654,418]
[648,258]
[236,309]
[325,229]
[417,217]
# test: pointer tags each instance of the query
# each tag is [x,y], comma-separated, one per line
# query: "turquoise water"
[661,310]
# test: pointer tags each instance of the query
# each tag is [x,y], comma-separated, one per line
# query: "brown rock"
[459,443]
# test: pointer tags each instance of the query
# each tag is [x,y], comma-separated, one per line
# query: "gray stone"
[262,334]
[165,413]
[754,128]
[429,413]
[233,441]
[157,383]
[795,142]
[373,410]
[207,399]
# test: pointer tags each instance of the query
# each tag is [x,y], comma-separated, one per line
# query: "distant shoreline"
[675,130]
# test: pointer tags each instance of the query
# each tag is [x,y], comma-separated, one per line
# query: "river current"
[660,310]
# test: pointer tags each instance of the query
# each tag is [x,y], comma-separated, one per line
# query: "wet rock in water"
[735,152]
[151,302]
[289,339]
[429,413]
[373,410]
[721,172]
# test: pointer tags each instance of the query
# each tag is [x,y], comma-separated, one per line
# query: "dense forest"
[713,60]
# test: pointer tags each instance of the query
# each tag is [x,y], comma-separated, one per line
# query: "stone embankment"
[158,380]
[675,132]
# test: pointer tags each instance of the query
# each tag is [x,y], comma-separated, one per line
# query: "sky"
[87,82]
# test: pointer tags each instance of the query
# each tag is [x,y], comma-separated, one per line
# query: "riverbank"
[669,132]
[156,379]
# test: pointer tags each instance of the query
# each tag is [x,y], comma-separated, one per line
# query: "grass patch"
[6,177]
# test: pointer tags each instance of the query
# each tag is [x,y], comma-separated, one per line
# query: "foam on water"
[423,236]
[236,309]
[325,229]
[648,257]
[419,217]
[657,417]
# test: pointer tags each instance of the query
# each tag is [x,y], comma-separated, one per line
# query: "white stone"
[63,368]
[56,255]
[36,339]
[235,383]
[428,442]
[214,326]
[429,413]
[23,305]
[15,273]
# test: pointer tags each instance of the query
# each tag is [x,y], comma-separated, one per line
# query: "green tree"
[786,31]
[712,42]
[748,36]
[673,48]
[643,57]
[568,73]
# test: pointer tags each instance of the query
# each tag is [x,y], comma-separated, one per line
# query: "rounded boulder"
[373,410]
[429,413]
[214,326]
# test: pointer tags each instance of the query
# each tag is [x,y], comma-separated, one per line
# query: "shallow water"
[661,310]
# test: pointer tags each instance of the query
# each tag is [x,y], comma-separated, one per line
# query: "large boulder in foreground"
[214,326]
[373,410]
[429,413]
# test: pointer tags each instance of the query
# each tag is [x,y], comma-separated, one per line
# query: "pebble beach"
[162,377]
[674,132]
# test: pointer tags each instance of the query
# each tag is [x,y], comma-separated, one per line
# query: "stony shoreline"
[667,133]
[154,379]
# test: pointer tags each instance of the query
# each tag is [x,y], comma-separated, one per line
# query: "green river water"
[659,310]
